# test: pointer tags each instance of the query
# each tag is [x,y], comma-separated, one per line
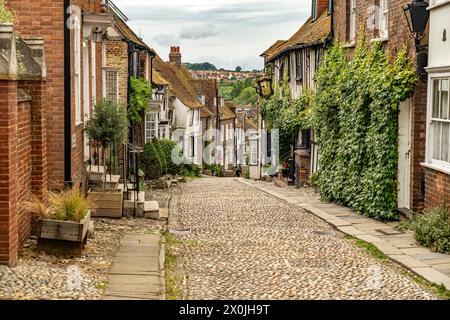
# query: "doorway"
[404,155]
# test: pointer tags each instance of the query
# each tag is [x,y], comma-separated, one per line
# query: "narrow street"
[246,244]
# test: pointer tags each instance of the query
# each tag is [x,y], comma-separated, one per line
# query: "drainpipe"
[67,101]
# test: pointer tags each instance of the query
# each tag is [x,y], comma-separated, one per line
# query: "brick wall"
[117,59]
[45,18]
[24,166]
[9,239]
[437,185]
[399,37]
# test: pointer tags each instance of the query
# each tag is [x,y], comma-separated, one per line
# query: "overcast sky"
[226,33]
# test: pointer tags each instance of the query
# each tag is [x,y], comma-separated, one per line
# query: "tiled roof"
[273,48]
[178,84]
[226,113]
[207,88]
[158,79]
[311,32]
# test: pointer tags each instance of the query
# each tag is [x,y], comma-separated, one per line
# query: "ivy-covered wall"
[356,118]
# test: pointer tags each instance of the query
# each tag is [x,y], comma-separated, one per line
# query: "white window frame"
[352,21]
[104,63]
[383,19]
[86,95]
[436,164]
[94,71]
[148,121]
[77,73]
[253,154]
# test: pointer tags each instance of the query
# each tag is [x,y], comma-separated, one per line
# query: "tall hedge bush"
[151,162]
[168,146]
[162,156]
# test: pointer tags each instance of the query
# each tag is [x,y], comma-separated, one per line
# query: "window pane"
[436,140]
[435,113]
[444,145]
[444,99]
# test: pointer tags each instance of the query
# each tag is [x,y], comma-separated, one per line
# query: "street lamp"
[417,16]
[160,92]
[97,35]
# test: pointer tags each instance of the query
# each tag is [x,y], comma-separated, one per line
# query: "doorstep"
[398,246]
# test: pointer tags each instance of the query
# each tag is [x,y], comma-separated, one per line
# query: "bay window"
[439,123]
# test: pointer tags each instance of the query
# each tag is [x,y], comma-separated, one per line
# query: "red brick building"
[46,95]
[384,20]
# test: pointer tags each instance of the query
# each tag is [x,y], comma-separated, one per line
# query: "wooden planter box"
[107,203]
[62,238]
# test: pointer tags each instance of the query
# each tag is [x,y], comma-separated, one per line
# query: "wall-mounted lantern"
[417,17]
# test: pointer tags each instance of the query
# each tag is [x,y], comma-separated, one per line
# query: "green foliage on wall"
[356,120]
[140,94]
[6,16]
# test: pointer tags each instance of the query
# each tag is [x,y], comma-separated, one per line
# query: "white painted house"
[437,159]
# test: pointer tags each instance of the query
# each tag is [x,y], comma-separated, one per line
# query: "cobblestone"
[246,244]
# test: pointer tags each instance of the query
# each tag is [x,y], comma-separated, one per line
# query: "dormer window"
[201,99]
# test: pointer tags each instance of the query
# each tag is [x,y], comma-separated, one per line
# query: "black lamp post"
[160,93]
[417,17]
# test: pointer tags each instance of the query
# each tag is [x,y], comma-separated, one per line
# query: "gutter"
[67,101]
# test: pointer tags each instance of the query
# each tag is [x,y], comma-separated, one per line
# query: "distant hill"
[200,66]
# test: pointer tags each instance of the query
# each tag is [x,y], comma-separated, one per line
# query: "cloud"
[199,32]
[166,40]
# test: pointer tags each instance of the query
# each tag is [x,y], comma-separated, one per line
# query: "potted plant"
[63,222]
[107,126]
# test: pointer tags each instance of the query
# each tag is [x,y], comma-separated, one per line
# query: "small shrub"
[432,229]
[150,162]
[246,172]
[162,156]
[68,205]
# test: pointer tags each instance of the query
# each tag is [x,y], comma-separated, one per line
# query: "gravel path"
[246,244]
[44,277]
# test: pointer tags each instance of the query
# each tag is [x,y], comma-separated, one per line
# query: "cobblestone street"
[246,244]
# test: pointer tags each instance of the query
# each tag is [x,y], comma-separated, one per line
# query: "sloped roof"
[178,84]
[207,88]
[311,32]
[273,48]
[128,33]
[226,113]
[158,79]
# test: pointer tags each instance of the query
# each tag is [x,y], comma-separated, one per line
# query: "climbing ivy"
[140,93]
[287,115]
[355,115]
[356,120]
[6,16]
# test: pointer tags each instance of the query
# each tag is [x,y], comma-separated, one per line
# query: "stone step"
[151,210]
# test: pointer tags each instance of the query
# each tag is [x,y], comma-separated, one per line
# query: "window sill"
[78,123]
[379,40]
[436,167]
[350,45]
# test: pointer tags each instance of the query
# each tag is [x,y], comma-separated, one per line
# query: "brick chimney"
[175,55]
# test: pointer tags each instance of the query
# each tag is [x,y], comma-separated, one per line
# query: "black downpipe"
[67,100]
